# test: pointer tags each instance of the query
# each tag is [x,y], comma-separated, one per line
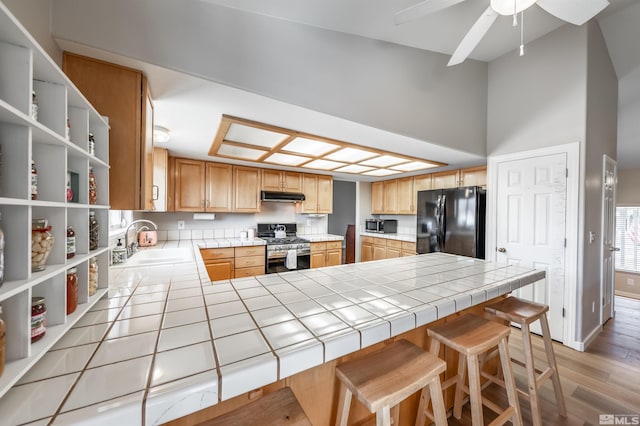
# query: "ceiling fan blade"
[421,9]
[473,37]
[576,12]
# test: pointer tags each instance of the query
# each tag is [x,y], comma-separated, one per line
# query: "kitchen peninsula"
[167,342]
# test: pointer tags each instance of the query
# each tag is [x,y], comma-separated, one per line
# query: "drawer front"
[216,253]
[332,245]
[250,251]
[408,246]
[380,242]
[245,262]
[249,272]
[396,244]
[366,240]
[321,246]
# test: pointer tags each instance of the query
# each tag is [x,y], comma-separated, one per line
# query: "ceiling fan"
[576,12]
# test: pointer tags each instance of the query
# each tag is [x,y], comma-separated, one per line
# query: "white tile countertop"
[315,238]
[165,341]
[402,237]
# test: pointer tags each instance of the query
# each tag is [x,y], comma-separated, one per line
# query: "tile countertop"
[165,341]
[402,237]
[316,238]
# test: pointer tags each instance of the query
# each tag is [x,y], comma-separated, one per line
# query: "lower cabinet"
[230,262]
[373,248]
[326,253]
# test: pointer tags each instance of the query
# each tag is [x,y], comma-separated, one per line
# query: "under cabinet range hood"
[281,197]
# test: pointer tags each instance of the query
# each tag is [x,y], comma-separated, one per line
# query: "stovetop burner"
[287,240]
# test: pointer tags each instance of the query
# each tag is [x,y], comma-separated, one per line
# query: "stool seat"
[472,336]
[525,312]
[384,378]
[280,408]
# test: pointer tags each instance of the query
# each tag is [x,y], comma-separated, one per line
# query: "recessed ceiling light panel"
[286,159]
[254,136]
[381,172]
[323,165]
[351,155]
[384,161]
[414,165]
[353,168]
[241,152]
[309,147]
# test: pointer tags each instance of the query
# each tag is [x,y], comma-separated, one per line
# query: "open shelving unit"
[25,67]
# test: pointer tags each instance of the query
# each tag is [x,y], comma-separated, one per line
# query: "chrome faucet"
[134,245]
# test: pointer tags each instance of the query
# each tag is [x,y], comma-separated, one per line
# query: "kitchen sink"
[165,256]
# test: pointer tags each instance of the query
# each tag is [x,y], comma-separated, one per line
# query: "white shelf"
[25,67]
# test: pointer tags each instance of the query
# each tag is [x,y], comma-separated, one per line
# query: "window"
[628,239]
[118,221]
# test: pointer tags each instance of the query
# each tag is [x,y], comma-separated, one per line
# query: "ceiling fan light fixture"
[511,7]
[161,134]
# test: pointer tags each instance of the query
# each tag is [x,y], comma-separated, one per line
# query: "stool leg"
[536,412]
[344,404]
[459,393]
[509,382]
[425,397]
[439,412]
[383,416]
[551,359]
[475,390]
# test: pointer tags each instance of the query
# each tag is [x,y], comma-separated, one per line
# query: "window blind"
[628,239]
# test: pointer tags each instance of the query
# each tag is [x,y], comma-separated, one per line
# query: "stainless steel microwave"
[382,226]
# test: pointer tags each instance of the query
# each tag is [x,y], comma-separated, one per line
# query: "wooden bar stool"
[384,378]
[279,408]
[472,336]
[524,312]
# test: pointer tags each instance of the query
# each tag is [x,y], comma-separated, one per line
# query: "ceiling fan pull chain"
[515,13]
[522,33]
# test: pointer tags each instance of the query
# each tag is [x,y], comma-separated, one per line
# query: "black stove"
[278,249]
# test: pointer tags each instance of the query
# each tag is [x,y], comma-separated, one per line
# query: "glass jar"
[34,105]
[34,181]
[94,231]
[92,144]
[71,242]
[68,129]
[93,276]
[69,189]
[41,244]
[93,193]
[2,332]
[72,290]
[38,318]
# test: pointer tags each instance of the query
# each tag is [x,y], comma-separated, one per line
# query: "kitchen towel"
[291,261]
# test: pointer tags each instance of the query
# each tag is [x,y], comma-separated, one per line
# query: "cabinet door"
[292,181]
[379,252]
[422,182]
[406,196]
[171,184]
[246,183]
[334,257]
[474,176]
[391,196]
[220,269]
[448,179]
[271,180]
[366,252]
[189,185]
[310,191]
[318,259]
[325,194]
[377,197]
[393,252]
[160,173]
[219,187]
[146,150]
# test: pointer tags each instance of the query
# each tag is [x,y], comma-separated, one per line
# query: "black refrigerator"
[452,221]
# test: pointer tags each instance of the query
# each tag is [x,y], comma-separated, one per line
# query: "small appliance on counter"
[147,238]
[381,226]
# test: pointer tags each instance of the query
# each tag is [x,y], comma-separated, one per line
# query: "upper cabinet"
[218,187]
[448,179]
[318,193]
[246,181]
[189,185]
[160,173]
[121,94]
[281,181]
[474,176]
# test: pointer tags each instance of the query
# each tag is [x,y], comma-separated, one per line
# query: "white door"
[609,178]
[531,205]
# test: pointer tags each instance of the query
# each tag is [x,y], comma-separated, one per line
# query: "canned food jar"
[72,290]
[93,276]
[71,242]
[41,244]
[38,318]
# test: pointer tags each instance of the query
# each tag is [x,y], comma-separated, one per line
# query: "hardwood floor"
[605,379]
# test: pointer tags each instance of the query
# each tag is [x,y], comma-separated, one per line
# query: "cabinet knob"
[502,250]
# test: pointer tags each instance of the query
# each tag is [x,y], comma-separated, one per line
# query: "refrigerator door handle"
[443,223]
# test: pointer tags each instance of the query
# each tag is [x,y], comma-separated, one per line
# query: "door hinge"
[563,312]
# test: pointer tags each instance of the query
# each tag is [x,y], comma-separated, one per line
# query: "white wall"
[391,87]
[35,15]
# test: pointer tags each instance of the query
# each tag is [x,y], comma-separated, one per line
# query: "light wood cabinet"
[121,94]
[474,176]
[406,196]
[281,181]
[230,262]
[422,182]
[448,179]
[390,196]
[408,248]
[366,249]
[246,182]
[218,187]
[160,178]
[373,248]
[394,196]
[189,185]
[377,197]
[326,253]
[318,193]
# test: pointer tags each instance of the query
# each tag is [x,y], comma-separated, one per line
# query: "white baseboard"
[582,346]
